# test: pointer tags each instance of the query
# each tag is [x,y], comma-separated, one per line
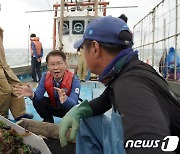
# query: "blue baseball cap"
[106,30]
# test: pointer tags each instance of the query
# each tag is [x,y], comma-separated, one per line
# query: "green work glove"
[72,120]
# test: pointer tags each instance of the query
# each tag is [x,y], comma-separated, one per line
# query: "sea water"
[21,57]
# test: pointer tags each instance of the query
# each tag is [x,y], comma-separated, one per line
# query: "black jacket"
[145,103]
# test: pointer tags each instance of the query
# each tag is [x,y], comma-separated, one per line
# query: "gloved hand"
[72,120]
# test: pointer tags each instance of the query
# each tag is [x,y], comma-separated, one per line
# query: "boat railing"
[157,33]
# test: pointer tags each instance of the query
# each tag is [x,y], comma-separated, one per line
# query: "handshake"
[72,120]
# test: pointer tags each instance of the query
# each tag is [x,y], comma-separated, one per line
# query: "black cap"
[33,35]
[123,17]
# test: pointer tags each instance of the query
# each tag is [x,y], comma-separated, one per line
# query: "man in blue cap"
[143,108]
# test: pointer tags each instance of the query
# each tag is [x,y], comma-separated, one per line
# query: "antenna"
[116,7]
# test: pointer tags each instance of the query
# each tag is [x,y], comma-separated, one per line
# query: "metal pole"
[164,34]
[143,50]
[141,40]
[153,33]
[176,27]
[96,8]
[54,29]
[104,10]
[61,25]
[28,46]
[165,51]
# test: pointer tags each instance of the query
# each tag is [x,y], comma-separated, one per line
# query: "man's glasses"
[59,64]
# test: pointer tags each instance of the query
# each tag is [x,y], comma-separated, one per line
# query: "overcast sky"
[15,21]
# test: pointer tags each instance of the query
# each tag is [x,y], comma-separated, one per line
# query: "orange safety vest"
[38,44]
[66,84]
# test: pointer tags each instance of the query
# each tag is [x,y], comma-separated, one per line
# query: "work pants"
[8,100]
[36,69]
[46,111]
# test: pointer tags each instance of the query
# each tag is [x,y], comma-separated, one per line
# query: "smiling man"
[61,85]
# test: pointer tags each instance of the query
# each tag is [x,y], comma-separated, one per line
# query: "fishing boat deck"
[89,90]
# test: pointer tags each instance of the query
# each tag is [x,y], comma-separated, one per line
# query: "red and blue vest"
[66,84]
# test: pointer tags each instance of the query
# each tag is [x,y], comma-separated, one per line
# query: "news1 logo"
[168,144]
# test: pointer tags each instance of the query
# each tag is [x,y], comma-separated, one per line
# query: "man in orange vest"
[62,86]
[36,57]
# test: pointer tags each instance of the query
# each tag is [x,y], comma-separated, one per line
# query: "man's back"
[37,45]
[145,103]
